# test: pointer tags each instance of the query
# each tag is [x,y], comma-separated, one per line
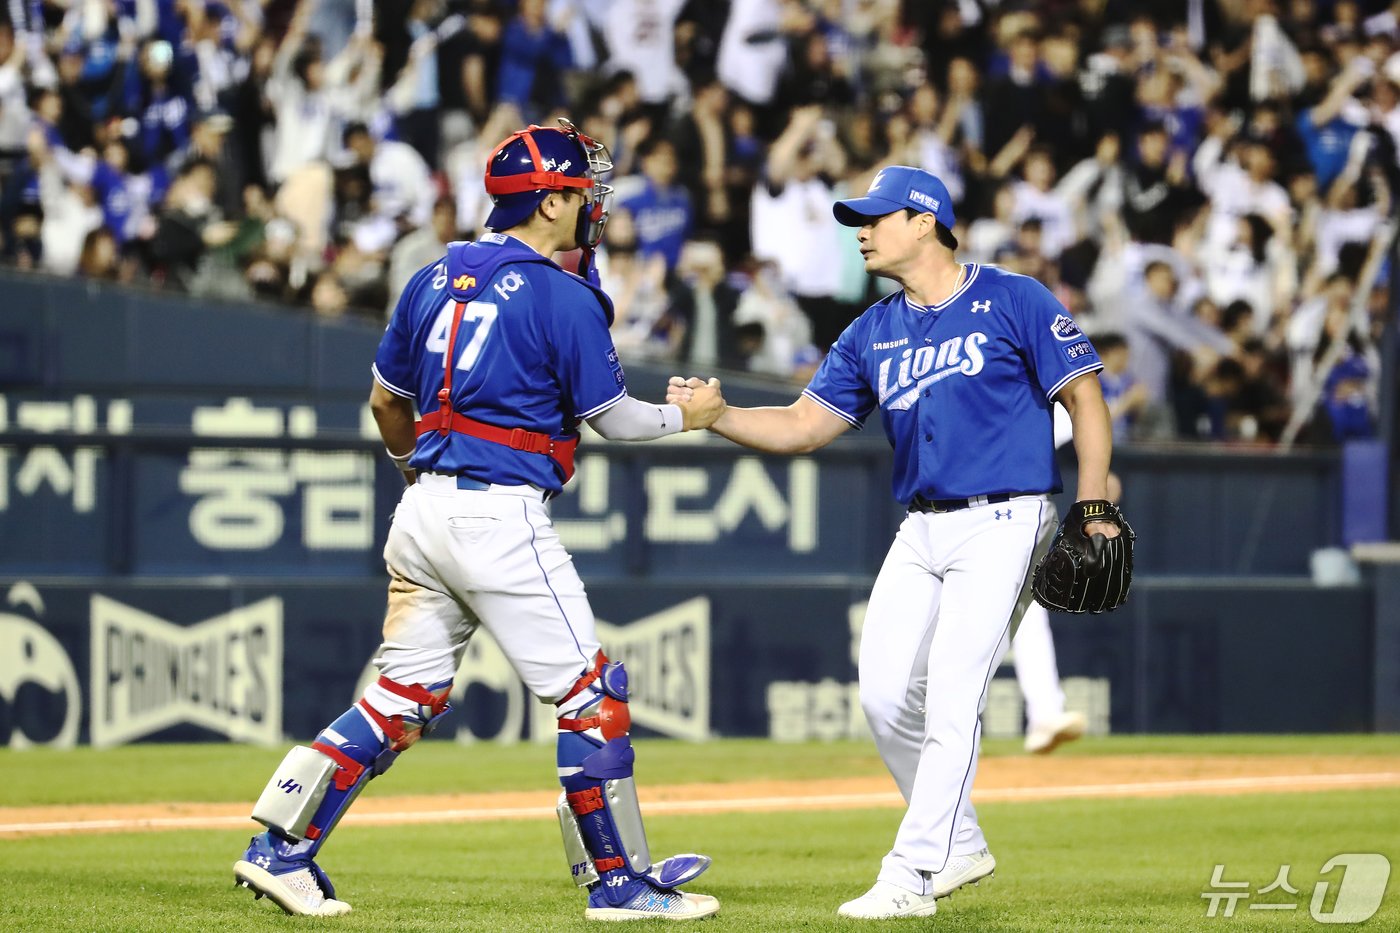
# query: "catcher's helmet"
[537,160]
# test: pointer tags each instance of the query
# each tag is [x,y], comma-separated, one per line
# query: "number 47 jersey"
[532,351]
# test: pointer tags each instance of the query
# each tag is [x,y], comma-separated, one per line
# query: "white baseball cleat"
[296,892]
[886,900]
[640,900]
[1044,738]
[961,870]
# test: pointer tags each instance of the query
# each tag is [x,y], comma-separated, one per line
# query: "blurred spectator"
[792,221]
[1208,179]
[1156,189]
[1018,100]
[1257,267]
[99,258]
[189,223]
[158,92]
[993,234]
[534,57]
[775,337]
[712,300]
[1238,186]
[1345,405]
[424,245]
[1125,395]
[640,37]
[660,208]
[401,192]
[643,323]
[752,52]
[310,98]
[1157,325]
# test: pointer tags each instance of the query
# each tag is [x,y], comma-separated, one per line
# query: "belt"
[476,485]
[920,504]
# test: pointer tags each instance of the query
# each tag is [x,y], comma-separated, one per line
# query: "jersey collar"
[504,239]
[970,270]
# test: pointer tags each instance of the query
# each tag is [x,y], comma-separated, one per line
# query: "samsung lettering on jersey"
[923,367]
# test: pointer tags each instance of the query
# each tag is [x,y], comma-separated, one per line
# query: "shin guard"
[313,787]
[599,816]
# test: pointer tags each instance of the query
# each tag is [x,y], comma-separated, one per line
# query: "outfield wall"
[195,500]
[110,662]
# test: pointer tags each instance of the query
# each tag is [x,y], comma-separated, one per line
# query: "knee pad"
[313,787]
[413,719]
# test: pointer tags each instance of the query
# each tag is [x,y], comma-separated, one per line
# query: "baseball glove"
[1086,574]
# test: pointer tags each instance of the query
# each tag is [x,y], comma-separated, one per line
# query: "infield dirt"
[999,779]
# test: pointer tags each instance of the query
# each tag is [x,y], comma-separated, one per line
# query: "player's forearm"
[773,430]
[635,420]
[1093,435]
[394,415]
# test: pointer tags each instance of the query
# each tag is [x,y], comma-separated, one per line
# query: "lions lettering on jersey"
[950,383]
[533,351]
[945,360]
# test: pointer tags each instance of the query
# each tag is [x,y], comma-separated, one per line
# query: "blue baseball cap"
[895,188]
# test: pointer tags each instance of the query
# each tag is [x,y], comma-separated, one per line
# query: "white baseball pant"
[944,607]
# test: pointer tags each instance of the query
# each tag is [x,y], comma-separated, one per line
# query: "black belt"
[920,504]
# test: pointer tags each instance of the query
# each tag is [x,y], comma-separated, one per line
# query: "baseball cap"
[895,188]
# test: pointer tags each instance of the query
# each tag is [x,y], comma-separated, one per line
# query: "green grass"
[220,773]
[1076,865]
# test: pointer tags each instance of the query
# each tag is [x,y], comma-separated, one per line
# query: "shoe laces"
[657,901]
[304,884]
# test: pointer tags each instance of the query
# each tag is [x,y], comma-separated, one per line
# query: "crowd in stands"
[1206,185]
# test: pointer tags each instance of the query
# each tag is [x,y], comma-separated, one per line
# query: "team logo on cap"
[918,197]
[876,183]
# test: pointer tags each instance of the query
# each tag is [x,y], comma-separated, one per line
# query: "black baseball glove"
[1086,574]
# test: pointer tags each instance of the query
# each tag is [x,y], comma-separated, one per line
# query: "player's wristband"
[400,461]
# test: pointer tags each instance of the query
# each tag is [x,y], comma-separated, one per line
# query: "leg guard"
[599,816]
[314,786]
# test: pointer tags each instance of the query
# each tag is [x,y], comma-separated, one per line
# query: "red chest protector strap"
[446,421]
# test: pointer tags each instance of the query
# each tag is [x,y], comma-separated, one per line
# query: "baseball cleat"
[648,902]
[1044,738]
[961,870]
[886,900]
[298,886]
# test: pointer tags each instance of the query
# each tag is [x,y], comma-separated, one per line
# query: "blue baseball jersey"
[533,351]
[964,387]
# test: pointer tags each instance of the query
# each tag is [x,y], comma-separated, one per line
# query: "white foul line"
[1192,786]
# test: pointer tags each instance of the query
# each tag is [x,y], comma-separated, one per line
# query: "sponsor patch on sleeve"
[1064,328]
[1077,350]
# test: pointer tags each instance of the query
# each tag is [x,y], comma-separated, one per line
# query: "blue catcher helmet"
[537,160]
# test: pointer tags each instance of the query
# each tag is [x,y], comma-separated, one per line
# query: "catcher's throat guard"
[1081,573]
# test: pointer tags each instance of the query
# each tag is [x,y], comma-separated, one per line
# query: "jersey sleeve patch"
[1077,350]
[1065,328]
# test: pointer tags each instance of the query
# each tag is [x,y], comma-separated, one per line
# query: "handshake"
[700,402]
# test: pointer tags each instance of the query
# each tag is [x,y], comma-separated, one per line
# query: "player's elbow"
[386,407]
